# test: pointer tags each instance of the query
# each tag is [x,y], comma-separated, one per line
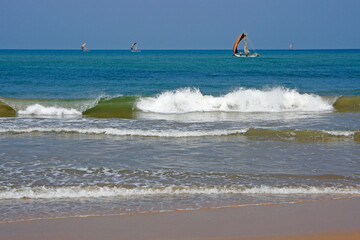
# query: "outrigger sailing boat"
[83,47]
[134,48]
[246,52]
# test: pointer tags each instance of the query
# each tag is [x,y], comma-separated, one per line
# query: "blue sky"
[179,24]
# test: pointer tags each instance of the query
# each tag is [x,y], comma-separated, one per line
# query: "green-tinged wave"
[10,107]
[357,136]
[348,104]
[6,110]
[303,135]
[117,107]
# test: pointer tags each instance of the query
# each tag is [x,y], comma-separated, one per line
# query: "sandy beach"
[332,219]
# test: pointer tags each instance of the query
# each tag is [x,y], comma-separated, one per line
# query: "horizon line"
[170,49]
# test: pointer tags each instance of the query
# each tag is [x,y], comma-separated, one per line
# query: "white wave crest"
[242,100]
[128,132]
[341,133]
[96,192]
[40,110]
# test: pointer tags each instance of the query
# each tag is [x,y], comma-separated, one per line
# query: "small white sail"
[291,46]
[83,47]
[246,50]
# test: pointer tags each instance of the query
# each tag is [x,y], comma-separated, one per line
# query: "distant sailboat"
[83,47]
[134,48]
[246,52]
[291,46]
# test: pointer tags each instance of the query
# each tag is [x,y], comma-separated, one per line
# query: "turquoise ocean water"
[114,132]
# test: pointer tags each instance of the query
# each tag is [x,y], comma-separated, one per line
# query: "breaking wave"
[242,100]
[185,100]
[40,110]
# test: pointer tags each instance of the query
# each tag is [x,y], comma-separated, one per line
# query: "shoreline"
[147,212]
[304,220]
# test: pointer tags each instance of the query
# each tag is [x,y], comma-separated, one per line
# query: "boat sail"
[134,48]
[83,47]
[246,52]
[237,43]
[291,46]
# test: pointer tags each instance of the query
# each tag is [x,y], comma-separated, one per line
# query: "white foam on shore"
[39,110]
[128,132]
[96,192]
[242,100]
[150,133]
[341,133]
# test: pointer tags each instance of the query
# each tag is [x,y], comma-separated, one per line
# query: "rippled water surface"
[110,132]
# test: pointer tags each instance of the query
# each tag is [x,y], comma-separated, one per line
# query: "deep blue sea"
[76,74]
[114,132]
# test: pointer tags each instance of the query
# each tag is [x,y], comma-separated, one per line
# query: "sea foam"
[128,132]
[96,191]
[40,110]
[242,100]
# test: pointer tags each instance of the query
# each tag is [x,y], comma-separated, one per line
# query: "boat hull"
[246,55]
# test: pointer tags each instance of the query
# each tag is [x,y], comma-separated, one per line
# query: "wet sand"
[333,219]
[317,236]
